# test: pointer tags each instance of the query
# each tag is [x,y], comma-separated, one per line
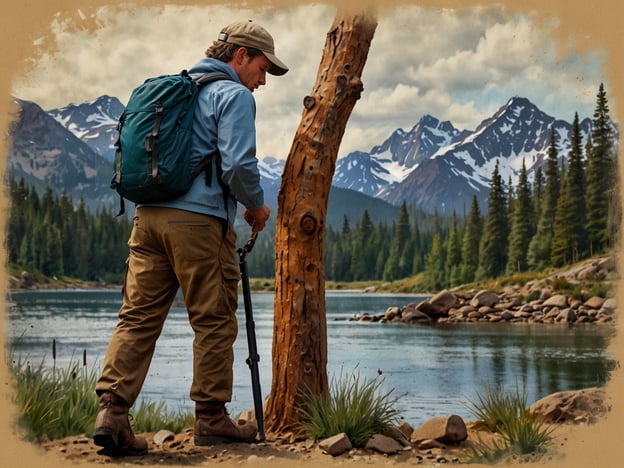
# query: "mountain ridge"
[434,166]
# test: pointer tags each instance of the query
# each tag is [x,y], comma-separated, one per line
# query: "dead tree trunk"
[300,334]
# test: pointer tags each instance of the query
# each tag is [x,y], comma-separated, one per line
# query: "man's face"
[252,71]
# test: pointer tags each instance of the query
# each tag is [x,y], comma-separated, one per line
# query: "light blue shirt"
[224,120]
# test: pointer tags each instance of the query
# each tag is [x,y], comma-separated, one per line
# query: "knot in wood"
[356,87]
[308,222]
[309,102]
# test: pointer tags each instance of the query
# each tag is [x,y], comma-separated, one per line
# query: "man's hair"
[224,51]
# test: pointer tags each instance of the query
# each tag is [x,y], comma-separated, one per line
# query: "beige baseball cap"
[250,34]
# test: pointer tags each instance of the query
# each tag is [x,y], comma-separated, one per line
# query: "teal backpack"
[154,138]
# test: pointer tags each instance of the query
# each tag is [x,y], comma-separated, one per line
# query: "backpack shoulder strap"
[210,77]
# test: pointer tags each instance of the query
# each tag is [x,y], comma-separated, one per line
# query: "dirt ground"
[180,451]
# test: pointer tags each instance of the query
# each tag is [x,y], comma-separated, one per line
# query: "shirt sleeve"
[236,140]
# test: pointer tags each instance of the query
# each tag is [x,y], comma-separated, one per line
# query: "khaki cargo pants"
[169,249]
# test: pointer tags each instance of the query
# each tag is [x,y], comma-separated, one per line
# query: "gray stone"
[608,307]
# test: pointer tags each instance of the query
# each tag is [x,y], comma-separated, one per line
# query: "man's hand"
[257,218]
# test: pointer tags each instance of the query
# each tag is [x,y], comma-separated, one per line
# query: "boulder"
[594,302]
[443,301]
[425,307]
[572,406]
[484,298]
[558,300]
[449,429]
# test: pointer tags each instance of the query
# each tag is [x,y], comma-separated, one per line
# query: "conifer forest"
[568,211]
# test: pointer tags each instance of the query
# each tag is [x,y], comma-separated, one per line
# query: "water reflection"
[436,369]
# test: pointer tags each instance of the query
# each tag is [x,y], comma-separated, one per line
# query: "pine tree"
[470,242]
[569,232]
[540,245]
[494,243]
[522,226]
[600,175]
[434,265]
[453,256]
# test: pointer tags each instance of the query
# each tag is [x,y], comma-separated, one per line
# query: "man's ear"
[239,54]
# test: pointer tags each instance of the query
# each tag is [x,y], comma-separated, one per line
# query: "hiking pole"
[254,358]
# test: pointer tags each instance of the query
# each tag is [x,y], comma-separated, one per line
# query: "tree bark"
[300,334]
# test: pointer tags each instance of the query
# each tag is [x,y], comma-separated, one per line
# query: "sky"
[459,65]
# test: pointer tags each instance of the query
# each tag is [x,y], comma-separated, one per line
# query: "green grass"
[356,406]
[506,414]
[54,403]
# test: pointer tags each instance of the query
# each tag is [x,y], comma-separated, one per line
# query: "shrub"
[354,406]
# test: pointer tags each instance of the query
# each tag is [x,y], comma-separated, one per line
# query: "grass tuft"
[355,406]
[57,403]
[54,402]
[506,414]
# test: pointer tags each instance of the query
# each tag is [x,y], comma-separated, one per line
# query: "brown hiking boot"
[113,431]
[214,426]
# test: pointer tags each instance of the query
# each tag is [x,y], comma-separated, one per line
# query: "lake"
[434,370]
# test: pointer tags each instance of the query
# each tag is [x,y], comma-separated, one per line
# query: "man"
[189,243]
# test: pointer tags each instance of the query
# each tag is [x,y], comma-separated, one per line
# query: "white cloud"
[457,65]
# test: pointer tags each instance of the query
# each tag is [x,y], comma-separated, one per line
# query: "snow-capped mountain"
[388,164]
[45,153]
[95,123]
[438,167]
[434,166]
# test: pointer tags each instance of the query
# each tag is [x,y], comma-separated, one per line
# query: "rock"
[248,416]
[392,312]
[383,444]
[572,406]
[484,298]
[566,315]
[413,315]
[406,429]
[163,436]
[443,429]
[429,444]
[443,301]
[397,434]
[594,302]
[558,300]
[336,445]
[608,307]
[366,317]
[426,308]
[507,315]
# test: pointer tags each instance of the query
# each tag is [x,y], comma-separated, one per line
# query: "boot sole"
[109,441]
[216,440]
